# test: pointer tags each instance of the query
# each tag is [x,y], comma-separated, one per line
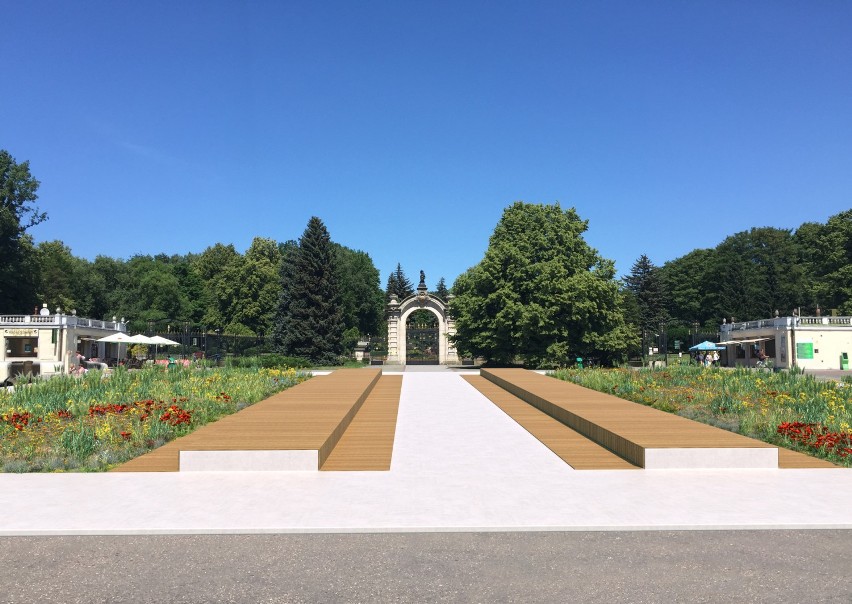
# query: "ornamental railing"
[780,322]
[61,321]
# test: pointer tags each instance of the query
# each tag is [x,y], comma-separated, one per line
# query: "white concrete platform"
[460,464]
[762,458]
[245,461]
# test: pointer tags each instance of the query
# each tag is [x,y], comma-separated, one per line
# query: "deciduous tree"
[541,294]
[361,294]
[17,214]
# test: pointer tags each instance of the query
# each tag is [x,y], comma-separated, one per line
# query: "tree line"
[219,288]
[750,275]
[540,295]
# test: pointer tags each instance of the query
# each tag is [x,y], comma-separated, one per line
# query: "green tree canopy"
[257,287]
[361,294]
[18,266]
[752,274]
[687,283]
[541,294]
[826,253]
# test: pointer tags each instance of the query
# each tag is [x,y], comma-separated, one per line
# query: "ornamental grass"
[787,409]
[96,421]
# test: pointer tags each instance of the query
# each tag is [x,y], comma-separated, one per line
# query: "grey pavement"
[459,464]
[589,567]
[829,374]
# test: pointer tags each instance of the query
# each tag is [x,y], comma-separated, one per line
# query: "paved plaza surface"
[588,567]
[459,464]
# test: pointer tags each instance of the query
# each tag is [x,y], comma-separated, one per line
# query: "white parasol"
[116,338]
[160,340]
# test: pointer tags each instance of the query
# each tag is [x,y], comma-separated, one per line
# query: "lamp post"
[694,332]
[186,339]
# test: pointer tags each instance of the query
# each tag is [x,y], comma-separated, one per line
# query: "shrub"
[269,361]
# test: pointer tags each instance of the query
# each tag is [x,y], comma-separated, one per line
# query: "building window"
[769,348]
[21,347]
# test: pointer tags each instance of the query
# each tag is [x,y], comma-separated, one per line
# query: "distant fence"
[204,344]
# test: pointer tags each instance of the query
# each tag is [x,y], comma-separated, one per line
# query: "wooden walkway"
[310,416]
[793,459]
[573,448]
[624,427]
[367,445]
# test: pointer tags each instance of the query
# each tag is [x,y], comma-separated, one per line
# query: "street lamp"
[186,339]
[694,332]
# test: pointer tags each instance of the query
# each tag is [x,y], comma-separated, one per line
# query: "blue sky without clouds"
[165,127]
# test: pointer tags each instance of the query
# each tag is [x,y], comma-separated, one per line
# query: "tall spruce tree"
[441,289]
[309,322]
[646,285]
[399,284]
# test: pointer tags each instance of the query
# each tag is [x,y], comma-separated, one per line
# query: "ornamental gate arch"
[398,313]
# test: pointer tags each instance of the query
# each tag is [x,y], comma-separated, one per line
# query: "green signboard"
[805,350]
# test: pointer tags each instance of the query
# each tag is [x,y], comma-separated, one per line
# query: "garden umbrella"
[160,340]
[116,338]
[141,339]
[706,345]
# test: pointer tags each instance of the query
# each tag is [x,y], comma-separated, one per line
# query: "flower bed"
[94,422]
[769,407]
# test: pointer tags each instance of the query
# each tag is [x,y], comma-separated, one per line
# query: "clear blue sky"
[165,127]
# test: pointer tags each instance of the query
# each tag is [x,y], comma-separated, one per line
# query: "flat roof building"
[47,343]
[804,342]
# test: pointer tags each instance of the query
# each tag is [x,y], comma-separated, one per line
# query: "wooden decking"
[349,419]
[573,448]
[310,416]
[793,459]
[623,427]
[367,444]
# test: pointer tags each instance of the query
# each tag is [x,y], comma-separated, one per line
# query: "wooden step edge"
[621,446]
[606,459]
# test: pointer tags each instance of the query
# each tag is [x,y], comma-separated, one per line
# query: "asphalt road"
[688,566]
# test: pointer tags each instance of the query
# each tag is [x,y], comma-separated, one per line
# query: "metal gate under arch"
[421,339]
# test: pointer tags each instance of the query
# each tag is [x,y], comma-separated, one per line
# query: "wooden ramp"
[367,444]
[793,459]
[573,448]
[294,429]
[644,436]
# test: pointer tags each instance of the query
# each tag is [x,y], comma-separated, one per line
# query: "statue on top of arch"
[422,279]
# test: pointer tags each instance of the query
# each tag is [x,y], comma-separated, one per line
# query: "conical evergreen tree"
[310,318]
[646,285]
[399,284]
[281,323]
[441,289]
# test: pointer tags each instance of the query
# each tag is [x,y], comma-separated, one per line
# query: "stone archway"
[398,313]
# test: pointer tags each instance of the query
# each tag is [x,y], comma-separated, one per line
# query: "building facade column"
[393,332]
